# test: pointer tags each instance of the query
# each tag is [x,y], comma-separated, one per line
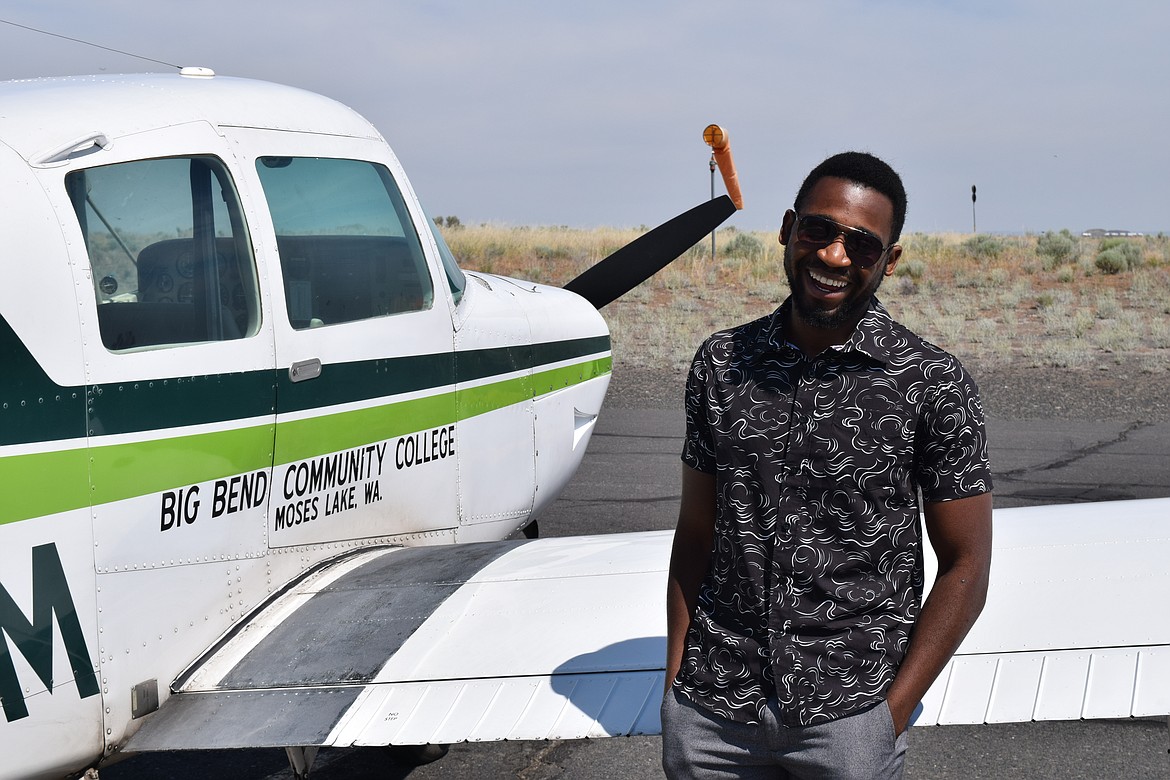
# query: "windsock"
[720,143]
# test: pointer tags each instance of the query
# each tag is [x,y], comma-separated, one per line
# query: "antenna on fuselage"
[88,43]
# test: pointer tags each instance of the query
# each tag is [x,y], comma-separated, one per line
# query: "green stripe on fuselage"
[313,436]
[45,483]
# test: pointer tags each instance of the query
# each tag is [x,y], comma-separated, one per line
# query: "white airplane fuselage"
[233,351]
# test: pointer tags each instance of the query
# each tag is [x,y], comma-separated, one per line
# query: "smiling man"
[798,644]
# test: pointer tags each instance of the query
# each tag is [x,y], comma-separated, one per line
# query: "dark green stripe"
[555,351]
[342,383]
[34,409]
[133,407]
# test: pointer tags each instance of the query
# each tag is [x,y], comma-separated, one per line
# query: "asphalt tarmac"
[629,482]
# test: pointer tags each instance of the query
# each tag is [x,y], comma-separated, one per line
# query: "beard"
[850,310]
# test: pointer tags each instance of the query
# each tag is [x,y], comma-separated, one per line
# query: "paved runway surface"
[629,482]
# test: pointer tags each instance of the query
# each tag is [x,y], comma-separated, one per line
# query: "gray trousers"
[699,744]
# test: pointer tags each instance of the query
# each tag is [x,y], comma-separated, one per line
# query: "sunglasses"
[864,248]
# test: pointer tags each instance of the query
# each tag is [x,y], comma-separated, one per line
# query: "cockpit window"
[348,248]
[170,255]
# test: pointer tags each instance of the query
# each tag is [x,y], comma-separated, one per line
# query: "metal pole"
[711,164]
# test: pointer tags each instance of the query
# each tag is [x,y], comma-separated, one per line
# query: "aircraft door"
[180,379]
[365,400]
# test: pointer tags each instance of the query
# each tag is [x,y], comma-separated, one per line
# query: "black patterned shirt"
[816,570]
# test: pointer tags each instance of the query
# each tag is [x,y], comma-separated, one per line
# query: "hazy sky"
[591,113]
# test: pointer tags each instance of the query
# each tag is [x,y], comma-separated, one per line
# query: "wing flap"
[244,719]
[557,707]
[1050,685]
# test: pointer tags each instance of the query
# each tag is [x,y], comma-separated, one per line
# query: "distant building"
[1099,233]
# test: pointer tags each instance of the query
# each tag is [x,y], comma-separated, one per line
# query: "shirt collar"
[871,337]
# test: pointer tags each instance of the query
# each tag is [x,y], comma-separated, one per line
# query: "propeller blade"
[646,255]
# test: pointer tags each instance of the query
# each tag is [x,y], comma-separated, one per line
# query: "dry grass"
[992,300]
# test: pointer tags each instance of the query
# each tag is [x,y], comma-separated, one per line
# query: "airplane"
[271,461]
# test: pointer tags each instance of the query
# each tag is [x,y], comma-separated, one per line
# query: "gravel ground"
[1125,392]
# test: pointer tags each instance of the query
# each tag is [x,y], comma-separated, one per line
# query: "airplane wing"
[541,639]
[565,638]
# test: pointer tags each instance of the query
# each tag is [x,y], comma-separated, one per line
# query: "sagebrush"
[993,300]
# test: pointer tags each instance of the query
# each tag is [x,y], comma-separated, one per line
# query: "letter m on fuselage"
[35,640]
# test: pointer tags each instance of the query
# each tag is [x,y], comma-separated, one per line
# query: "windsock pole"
[720,143]
[712,166]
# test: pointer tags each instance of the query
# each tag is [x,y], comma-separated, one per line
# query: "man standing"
[797,642]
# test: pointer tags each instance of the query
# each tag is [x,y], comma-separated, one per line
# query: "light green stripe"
[50,482]
[43,483]
[123,471]
[308,438]
[559,378]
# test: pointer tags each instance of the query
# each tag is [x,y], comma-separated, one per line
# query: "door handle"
[304,369]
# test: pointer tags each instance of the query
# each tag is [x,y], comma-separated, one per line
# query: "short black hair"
[867,170]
